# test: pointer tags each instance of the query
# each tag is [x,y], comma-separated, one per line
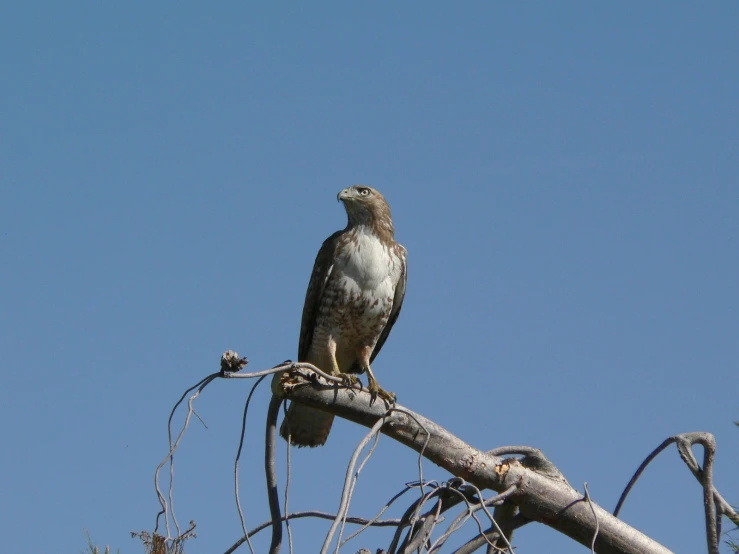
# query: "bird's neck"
[382,229]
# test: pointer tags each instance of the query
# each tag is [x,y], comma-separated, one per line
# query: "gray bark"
[543,494]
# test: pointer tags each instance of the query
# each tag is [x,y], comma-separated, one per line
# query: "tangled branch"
[715,505]
[544,496]
[528,487]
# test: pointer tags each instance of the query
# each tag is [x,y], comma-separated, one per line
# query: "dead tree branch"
[542,496]
[269,466]
[715,505]
[530,487]
[318,515]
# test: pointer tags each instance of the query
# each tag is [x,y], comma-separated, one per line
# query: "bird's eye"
[364,191]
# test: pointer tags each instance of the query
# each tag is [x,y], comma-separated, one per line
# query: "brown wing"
[397,301]
[322,268]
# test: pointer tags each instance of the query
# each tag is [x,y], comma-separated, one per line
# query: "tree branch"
[269,466]
[541,496]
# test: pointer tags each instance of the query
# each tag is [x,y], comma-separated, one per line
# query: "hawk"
[354,297]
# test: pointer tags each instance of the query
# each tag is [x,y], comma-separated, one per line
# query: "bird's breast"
[369,265]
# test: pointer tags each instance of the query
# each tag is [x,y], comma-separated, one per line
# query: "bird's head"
[366,206]
[363,204]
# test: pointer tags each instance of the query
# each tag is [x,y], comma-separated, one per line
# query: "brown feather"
[321,271]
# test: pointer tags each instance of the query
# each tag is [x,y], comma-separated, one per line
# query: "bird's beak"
[344,195]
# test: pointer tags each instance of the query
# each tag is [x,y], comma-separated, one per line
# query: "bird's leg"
[374,388]
[348,380]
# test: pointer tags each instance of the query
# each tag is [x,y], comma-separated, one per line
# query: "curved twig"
[484,506]
[288,475]
[490,535]
[471,513]
[597,525]
[461,519]
[269,468]
[238,457]
[377,517]
[667,442]
[425,444]
[353,485]
[346,493]
[714,503]
[316,514]
[407,519]
[422,534]
[170,455]
[285,366]
[685,442]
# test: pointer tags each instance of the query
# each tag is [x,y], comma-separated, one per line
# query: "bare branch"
[454,495]
[377,517]
[269,468]
[639,471]
[705,478]
[316,514]
[484,506]
[491,535]
[168,509]
[409,518]
[595,516]
[414,540]
[375,440]
[288,476]
[542,497]
[238,457]
[531,487]
[348,485]
[715,505]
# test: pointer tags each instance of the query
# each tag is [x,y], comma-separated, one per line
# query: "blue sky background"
[564,177]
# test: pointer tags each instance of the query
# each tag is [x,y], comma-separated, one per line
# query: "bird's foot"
[350,380]
[375,390]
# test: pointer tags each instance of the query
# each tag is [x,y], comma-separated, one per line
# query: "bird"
[354,297]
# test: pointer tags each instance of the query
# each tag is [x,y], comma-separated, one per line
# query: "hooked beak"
[345,194]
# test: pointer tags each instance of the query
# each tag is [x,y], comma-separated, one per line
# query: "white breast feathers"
[370,265]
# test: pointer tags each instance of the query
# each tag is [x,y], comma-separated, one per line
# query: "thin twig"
[316,514]
[377,517]
[639,471]
[504,514]
[462,518]
[410,518]
[238,457]
[714,503]
[276,369]
[425,444]
[483,505]
[269,468]
[288,474]
[344,504]
[160,497]
[472,513]
[595,516]
[422,534]
[490,535]
[353,485]
[454,526]
[170,455]
[685,442]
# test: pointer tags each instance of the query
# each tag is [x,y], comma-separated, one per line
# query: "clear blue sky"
[565,178]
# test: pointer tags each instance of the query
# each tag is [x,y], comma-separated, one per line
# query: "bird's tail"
[308,426]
